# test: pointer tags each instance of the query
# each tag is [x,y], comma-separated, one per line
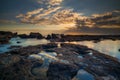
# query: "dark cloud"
[92,16]
[88,7]
[94,31]
[106,23]
[107,19]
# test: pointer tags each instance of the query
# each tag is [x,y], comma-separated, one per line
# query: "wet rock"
[5,36]
[60,71]
[14,47]
[23,36]
[10,59]
[50,45]
[49,37]
[12,67]
[60,55]
[77,48]
[36,70]
[16,64]
[49,50]
[106,78]
[40,72]
[18,42]
[35,35]
[119,50]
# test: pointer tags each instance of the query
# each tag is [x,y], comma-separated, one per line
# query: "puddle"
[83,75]
[47,58]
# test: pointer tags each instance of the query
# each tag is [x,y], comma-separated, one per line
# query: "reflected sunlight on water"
[106,46]
[22,43]
[83,75]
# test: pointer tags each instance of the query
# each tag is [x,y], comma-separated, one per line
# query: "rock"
[23,36]
[40,72]
[49,37]
[55,36]
[60,71]
[5,36]
[60,55]
[35,68]
[50,45]
[18,67]
[10,59]
[119,50]
[18,42]
[35,35]
[105,78]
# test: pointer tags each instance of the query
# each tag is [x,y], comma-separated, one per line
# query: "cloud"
[7,22]
[52,14]
[28,15]
[50,2]
[109,19]
[38,16]
[65,16]
[105,20]
[94,31]
[43,14]
[105,23]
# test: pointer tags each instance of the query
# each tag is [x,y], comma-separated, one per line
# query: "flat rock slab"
[16,64]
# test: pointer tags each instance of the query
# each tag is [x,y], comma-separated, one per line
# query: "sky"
[90,17]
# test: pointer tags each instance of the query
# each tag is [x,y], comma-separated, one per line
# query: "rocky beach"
[57,61]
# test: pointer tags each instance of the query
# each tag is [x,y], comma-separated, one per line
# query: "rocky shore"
[95,38]
[57,62]
[5,36]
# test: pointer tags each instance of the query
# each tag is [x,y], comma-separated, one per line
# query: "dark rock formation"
[5,36]
[51,45]
[119,50]
[18,64]
[32,35]
[49,37]
[95,38]
[23,36]
[60,71]
[35,35]
[16,67]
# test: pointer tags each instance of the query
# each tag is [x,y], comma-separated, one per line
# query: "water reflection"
[83,75]
[27,42]
[107,46]
[21,42]
[47,57]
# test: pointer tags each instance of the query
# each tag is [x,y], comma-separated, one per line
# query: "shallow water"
[106,46]
[22,43]
[83,75]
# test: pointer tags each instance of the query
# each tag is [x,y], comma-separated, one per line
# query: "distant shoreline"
[5,36]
